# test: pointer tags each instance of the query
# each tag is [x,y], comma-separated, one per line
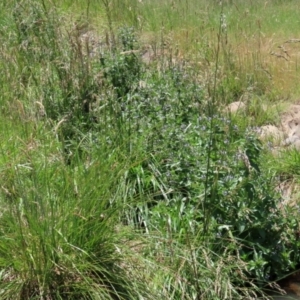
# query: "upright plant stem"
[110,26]
[211,108]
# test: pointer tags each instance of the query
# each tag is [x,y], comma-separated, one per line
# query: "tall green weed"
[124,152]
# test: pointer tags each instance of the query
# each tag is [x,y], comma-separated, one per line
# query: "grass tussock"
[122,175]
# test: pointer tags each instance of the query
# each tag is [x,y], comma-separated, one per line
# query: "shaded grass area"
[122,179]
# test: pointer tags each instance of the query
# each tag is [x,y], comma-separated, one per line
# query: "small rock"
[291,140]
[271,131]
[235,106]
[296,144]
[294,126]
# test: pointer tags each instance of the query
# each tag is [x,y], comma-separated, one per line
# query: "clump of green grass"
[60,237]
[125,180]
